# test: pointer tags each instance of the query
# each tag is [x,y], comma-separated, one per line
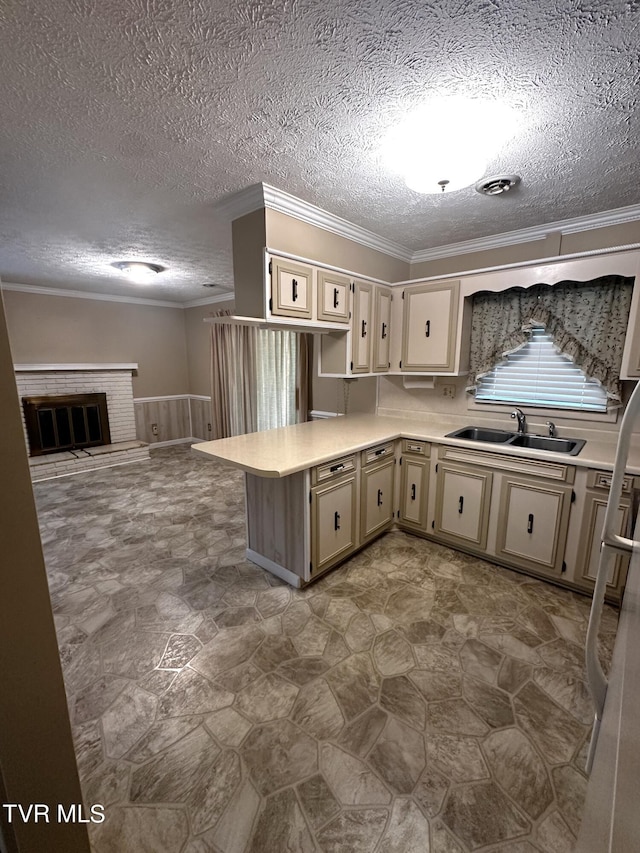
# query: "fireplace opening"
[70,422]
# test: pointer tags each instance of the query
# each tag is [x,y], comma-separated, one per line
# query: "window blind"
[538,375]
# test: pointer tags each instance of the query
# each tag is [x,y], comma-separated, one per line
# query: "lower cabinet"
[414,485]
[462,505]
[333,522]
[376,502]
[533,523]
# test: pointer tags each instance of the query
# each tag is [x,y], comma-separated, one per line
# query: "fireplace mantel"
[43,368]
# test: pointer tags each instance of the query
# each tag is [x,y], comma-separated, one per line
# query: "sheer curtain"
[259,378]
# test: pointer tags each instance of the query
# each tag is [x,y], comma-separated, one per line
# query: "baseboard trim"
[275,569]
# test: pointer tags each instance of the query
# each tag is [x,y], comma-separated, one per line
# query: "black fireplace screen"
[69,422]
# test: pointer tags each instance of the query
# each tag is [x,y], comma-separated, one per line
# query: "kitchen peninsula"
[317,492]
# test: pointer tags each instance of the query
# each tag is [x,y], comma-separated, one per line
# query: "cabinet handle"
[335,297]
[379,497]
[427,329]
[336,521]
[364,329]
[337,467]
[294,290]
[413,491]
[380,452]
[530,523]
[460,504]
[384,331]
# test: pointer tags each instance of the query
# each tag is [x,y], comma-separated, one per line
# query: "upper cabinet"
[382,330]
[291,289]
[333,296]
[361,327]
[429,327]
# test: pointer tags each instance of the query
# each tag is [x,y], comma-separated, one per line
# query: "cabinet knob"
[336,521]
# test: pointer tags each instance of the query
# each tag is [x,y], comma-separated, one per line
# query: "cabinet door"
[532,526]
[291,285]
[414,481]
[382,327]
[333,523]
[430,322]
[376,498]
[361,327]
[591,539]
[333,297]
[462,505]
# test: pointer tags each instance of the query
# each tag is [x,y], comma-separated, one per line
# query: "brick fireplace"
[111,381]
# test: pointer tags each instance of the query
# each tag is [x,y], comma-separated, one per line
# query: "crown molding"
[208,300]
[38,290]
[261,195]
[619,216]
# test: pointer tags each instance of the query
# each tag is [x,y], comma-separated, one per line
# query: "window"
[538,375]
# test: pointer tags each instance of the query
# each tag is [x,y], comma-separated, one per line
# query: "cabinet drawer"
[602,480]
[423,448]
[335,468]
[373,454]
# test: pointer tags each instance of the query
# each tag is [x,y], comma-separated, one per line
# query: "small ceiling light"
[445,144]
[139,271]
[497,184]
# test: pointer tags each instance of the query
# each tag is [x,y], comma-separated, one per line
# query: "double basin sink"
[570,446]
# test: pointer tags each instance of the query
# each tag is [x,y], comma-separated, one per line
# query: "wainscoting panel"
[176,418]
[200,417]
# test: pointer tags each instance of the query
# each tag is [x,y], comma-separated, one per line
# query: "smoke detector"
[497,184]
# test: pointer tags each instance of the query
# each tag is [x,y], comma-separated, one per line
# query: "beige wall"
[553,245]
[288,234]
[63,330]
[36,750]
[198,346]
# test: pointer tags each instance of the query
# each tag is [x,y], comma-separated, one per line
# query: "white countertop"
[286,450]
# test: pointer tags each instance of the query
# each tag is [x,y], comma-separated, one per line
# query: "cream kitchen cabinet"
[414,485]
[334,291]
[361,336]
[291,289]
[462,505]
[533,523]
[377,507]
[598,484]
[334,530]
[382,329]
[429,327]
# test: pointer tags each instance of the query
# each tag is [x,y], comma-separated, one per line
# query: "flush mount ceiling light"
[445,144]
[497,184]
[139,271]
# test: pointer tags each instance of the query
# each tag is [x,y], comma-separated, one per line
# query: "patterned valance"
[587,321]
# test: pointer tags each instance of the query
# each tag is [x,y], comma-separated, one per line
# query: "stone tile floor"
[414,699]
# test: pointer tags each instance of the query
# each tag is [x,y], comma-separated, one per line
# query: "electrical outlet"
[449,391]
[154,429]
[208,427]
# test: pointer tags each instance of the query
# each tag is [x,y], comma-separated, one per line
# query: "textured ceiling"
[124,122]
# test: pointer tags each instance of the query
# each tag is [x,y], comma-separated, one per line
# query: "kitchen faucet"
[522,421]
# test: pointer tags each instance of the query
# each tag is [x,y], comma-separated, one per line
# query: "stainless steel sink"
[569,446]
[482,434]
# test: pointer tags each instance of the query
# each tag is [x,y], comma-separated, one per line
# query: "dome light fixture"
[141,272]
[445,145]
